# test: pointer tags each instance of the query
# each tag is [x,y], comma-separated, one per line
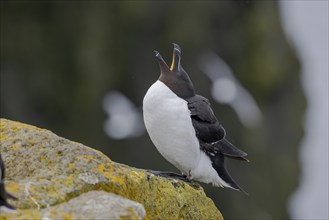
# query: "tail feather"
[229,150]
[218,164]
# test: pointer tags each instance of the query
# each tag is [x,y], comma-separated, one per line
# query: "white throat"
[167,120]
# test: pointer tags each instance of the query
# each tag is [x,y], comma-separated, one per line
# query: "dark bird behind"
[4,195]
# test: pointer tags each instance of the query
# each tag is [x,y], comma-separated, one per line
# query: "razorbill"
[184,129]
[4,205]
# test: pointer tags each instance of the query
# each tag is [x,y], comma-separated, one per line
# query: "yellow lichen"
[69,180]
[137,175]
[53,180]
[131,216]
[64,215]
[114,177]
[15,147]
[71,166]
[13,187]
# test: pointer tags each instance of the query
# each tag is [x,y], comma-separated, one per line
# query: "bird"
[4,195]
[184,129]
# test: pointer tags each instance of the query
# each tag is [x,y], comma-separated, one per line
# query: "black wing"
[209,131]
[207,127]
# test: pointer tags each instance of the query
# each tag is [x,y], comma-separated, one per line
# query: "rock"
[101,205]
[53,177]
[91,205]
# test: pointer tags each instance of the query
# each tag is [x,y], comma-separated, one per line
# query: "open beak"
[175,65]
[163,66]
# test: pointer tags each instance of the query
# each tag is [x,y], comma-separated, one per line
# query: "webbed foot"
[170,175]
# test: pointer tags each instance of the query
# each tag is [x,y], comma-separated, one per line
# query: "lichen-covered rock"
[91,205]
[47,172]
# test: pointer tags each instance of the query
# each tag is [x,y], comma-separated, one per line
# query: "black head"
[175,77]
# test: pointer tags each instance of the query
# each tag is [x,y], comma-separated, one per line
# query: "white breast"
[167,120]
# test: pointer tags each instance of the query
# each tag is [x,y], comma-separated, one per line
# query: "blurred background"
[82,70]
